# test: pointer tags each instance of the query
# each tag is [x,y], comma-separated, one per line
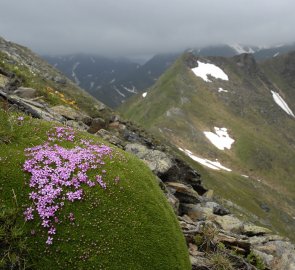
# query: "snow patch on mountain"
[214,165]
[276,54]
[133,90]
[205,69]
[241,49]
[119,92]
[220,138]
[280,101]
[222,90]
[74,73]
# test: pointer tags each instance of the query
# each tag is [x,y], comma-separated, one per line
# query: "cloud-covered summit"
[137,27]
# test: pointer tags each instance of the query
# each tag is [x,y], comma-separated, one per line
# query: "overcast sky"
[143,27]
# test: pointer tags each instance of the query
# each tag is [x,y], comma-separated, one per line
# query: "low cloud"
[137,27]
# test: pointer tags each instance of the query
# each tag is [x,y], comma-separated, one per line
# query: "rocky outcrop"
[157,161]
[68,112]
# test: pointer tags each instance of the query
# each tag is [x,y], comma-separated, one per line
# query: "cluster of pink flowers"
[61,134]
[58,175]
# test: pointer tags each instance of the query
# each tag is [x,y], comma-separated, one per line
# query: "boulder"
[3,80]
[59,80]
[25,92]
[229,223]
[266,258]
[138,150]
[67,112]
[195,212]
[33,108]
[157,161]
[107,136]
[96,125]
[185,194]
[220,210]
[234,242]
[282,252]
[200,263]
[251,230]
[77,125]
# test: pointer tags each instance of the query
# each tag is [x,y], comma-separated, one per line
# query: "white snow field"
[220,138]
[214,165]
[205,69]
[280,101]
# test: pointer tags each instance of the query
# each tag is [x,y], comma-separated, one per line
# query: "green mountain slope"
[182,106]
[129,224]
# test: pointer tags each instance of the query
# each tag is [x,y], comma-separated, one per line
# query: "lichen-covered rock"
[77,125]
[67,112]
[25,92]
[229,223]
[3,80]
[196,212]
[277,254]
[251,230]
[157,161]
[107,136]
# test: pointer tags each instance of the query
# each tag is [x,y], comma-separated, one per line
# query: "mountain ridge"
[247,110]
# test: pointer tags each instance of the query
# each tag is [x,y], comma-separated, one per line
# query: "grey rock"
[107,136]
[266,258]
[77,125]
[264,207]
[277,255]
[211,205]
[220,210]
[156,160]
[3,81]
[229,223]
[59,80]
[196,212]
[235,241]
[87,120]
[96,125]
[252,230]
[200,263]
[184,193]
[68,112]
[31,108]
[25,92]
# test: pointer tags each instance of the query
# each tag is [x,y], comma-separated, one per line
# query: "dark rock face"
[220,210]
[181,170]
[96,125]
[183,193]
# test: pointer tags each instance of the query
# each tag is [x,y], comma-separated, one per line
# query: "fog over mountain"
[136,27]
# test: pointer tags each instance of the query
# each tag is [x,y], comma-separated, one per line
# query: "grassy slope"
[128,226]
[262,149]
[282,71]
